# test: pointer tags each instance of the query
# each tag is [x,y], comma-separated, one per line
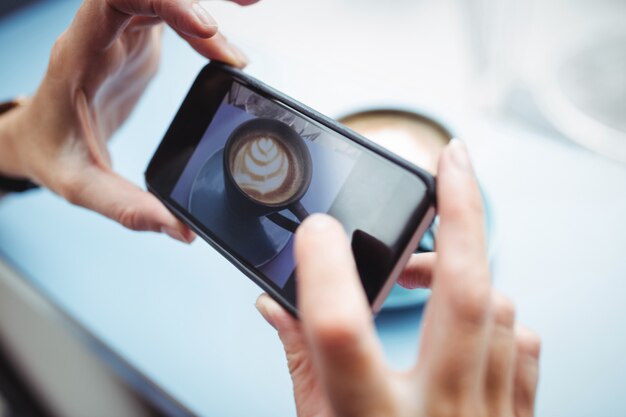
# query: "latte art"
[262,168]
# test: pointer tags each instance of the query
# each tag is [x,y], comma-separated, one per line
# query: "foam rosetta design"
[261,166]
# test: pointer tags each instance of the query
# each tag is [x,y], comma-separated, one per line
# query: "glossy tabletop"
[186,318]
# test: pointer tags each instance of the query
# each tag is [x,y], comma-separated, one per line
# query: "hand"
[99,67]
[474,360]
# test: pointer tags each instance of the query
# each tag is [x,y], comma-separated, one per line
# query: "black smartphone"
[243,164]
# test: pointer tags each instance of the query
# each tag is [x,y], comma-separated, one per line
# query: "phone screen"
[260,168]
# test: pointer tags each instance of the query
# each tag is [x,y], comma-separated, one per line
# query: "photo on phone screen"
[259,168]
[266,168]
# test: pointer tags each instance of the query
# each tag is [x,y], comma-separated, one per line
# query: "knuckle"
[525,391]
[70,187]
[473,304]
[165,8]
[528,342]
[335,334]
[158,6]
[129,217]
[503,310]
[524,406]
[298,364]
[58,44]
[56,54]
[468,288]
[447,407]
[504,409]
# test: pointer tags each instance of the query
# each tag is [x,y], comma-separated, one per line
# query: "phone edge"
[403,260]
[425,176]
[428,180]
[230,257]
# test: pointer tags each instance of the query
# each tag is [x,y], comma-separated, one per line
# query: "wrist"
[29,139]
[10,162]
[12,177]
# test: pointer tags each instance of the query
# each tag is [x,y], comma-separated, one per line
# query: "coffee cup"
[267,169]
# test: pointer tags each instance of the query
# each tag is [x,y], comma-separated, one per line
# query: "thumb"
[113,196]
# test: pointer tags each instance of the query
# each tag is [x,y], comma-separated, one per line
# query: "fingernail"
[241,57]
[205,18]
[459,155]
[191,237]
[319,222]
[262,305]
[174,234]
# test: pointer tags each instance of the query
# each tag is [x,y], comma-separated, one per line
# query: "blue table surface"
[186,318]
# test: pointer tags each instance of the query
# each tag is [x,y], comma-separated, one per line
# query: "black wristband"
[13,185]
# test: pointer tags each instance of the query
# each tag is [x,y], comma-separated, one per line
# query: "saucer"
[256,239]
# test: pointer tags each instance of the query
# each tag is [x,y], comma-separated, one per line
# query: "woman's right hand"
[99,68]
[474,359]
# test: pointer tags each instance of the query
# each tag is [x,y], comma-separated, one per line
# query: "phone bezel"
[186,131]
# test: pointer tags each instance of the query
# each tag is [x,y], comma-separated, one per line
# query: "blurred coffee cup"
[419,138]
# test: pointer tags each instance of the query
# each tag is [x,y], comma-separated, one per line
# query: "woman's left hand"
[99,68]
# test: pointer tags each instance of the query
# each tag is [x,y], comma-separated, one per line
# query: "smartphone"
[243,165]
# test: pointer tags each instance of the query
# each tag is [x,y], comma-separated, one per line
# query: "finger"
[186,16]
[288,329]
[526,371]
[418,272]
[132,81]
[111,18]
[307,391]
[142,22]
[109,194]
[218,48]
[461,232]
[457,325]
[336,318]
[501,362]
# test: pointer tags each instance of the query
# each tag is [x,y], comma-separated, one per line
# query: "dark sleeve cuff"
[14,185]
[7,184]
